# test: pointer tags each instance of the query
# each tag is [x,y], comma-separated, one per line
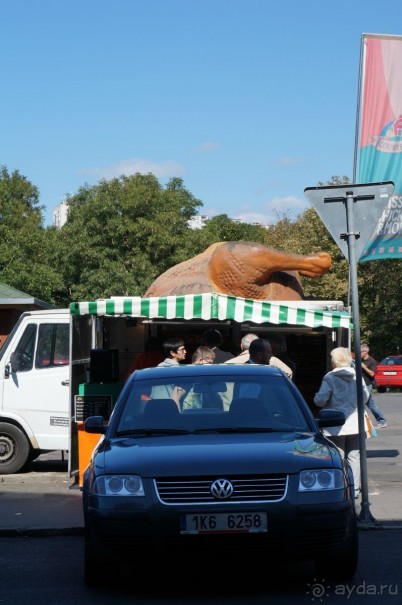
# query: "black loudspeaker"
[104,365]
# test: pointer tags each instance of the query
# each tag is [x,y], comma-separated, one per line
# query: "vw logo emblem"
[222,489]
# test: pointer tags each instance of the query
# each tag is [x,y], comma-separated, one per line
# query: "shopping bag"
[370,430]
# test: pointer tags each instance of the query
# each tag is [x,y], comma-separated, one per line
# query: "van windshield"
[7,340]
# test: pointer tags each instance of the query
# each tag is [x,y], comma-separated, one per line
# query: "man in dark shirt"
[369,365]
[213,340]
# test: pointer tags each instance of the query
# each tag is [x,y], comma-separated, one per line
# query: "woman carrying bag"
[338,392]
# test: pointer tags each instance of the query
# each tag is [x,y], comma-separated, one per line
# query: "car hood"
[215,454]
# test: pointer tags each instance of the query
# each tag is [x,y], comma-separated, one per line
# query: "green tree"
[380,293]
[122,234]
[223,229]
[26,261]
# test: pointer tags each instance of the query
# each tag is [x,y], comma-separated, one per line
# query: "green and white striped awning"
[215,306]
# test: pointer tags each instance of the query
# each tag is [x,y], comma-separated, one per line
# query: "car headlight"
[317,480]
[118,485]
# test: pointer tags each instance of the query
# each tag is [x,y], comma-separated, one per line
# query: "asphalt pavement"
[44,500]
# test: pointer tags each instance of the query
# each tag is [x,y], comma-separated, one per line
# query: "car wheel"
[342,566]
[14,449]
[381,389]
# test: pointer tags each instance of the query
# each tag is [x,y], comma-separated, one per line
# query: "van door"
[35,383]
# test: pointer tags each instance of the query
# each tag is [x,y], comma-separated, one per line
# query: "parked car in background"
[204,465]
[388,374]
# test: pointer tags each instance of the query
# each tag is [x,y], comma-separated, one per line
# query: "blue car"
[216,461]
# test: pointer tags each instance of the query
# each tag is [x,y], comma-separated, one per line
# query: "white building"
[60,214]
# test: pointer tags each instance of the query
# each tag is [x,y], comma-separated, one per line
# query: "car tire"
[381,389]
[342,566]
[14,449]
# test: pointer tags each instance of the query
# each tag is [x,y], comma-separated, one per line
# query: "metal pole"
[365,514]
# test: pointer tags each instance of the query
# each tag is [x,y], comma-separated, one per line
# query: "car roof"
[199,370]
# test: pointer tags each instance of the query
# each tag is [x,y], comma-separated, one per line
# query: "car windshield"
[211,403]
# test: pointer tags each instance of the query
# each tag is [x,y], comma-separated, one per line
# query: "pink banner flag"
[380,140]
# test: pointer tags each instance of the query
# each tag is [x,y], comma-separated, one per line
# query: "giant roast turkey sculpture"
[245,269]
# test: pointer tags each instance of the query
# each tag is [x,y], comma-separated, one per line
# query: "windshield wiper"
[152,431]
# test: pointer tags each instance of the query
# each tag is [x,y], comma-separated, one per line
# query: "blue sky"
[248,101]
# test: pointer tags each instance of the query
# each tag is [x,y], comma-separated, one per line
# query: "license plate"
[223,523]
[389,373]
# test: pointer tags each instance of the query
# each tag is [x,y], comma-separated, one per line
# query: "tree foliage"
[380,292]
[26,249]
[121,234]
[223,229]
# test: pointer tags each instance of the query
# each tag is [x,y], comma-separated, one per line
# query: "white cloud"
[129,167]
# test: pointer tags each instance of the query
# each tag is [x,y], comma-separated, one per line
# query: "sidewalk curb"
[362,525]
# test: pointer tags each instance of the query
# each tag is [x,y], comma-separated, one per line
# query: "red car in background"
[389,373]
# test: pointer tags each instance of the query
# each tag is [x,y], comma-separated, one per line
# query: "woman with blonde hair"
[338,392]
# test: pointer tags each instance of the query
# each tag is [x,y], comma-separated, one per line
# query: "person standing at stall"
[244,356]
[175,352]
[213,340]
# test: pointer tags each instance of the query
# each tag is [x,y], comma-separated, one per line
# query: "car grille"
[174,490]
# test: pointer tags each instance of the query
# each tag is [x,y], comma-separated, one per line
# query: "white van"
[34,388]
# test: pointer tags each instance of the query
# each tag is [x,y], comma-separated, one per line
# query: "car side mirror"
[330,418]
[14,362]
[95,424]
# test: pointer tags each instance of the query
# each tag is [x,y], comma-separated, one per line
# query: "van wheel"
[14,449]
